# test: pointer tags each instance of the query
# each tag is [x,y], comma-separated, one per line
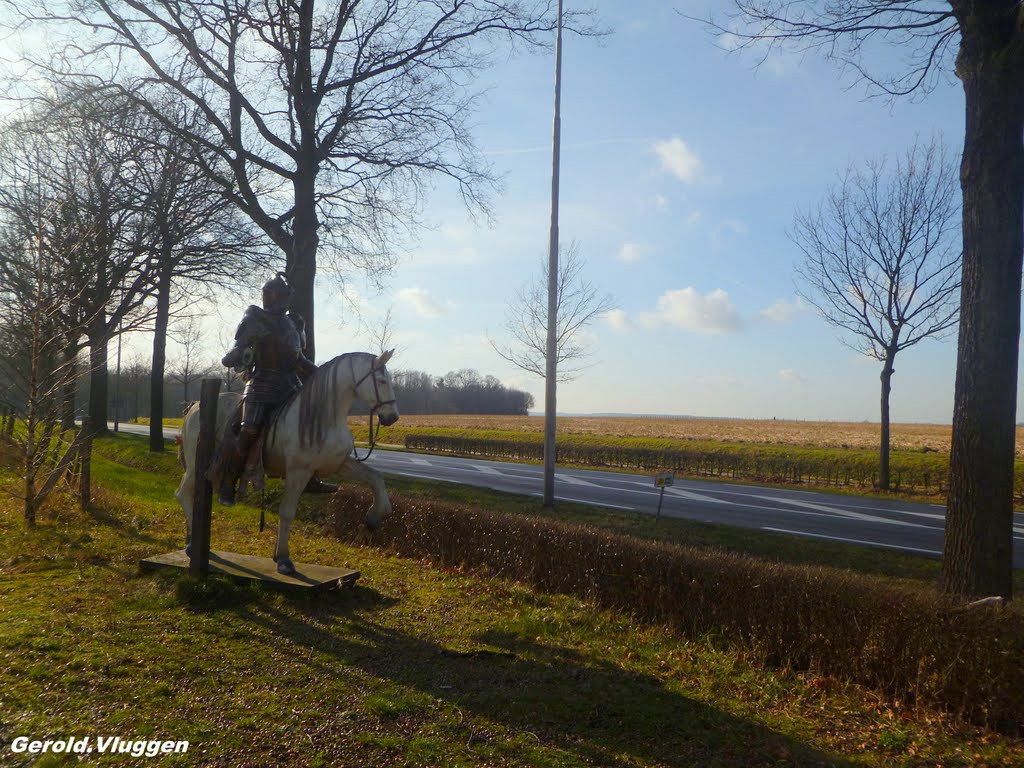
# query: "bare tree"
[32,359]
[526,319]
[89,160]
[881,261]
[197,240]
[380,333]
[982,41]
[330,118]
[190,364]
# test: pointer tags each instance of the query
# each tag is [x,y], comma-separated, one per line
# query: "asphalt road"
[899,525]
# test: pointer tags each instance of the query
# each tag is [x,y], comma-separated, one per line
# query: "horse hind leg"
[184,495]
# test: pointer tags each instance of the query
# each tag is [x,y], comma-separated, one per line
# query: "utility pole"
[551,365]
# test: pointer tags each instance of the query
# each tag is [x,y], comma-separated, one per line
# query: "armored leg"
[252,420]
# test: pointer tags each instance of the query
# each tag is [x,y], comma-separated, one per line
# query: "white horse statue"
[309,434]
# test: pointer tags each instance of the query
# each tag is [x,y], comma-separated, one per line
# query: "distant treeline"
[419,393]
[463,391]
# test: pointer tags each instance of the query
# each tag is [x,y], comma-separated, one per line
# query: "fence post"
[202,499]
[85,461]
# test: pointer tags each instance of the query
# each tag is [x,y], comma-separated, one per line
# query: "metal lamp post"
[551,363]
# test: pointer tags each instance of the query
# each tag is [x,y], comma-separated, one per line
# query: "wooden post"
[202,499]
[85,461]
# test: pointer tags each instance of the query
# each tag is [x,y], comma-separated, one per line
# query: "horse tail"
[180,440]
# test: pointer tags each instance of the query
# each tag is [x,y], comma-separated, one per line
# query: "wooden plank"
[249,568]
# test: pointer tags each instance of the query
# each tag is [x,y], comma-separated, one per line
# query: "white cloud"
[685,308]
[790,375]
[727,231]
[693,218]
[678,159]
[630,252]
[618,321]
[660,202]
[782,311]
[422,303]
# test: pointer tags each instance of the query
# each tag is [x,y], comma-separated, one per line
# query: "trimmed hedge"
[912,645]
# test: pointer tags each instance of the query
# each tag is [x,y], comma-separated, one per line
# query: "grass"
[413,667]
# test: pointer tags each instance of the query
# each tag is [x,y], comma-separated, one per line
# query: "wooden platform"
[248,568]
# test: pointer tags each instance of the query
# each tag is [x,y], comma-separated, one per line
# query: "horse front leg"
[293,484]
[369,476]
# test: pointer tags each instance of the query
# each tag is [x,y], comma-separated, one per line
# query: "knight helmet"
[277,294]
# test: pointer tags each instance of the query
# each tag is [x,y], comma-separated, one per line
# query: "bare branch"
[579,303]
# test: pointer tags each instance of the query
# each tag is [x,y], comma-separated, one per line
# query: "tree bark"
[156,379]
[301,267]
[883,448]
[977,560]
[68,396]
[98,374]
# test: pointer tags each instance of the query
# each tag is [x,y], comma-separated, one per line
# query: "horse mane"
[318,401]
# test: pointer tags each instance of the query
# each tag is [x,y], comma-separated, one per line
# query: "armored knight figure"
[268,352]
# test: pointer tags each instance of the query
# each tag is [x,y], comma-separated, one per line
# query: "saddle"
[254,473]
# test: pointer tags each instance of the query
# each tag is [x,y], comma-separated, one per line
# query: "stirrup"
[316,485]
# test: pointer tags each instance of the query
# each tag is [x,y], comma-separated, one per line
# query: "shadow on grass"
[594,709]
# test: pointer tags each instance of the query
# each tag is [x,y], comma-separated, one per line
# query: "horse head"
[377,391]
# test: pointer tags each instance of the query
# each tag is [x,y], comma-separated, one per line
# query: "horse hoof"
[285,567]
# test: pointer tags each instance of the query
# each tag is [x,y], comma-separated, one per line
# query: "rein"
[379,404]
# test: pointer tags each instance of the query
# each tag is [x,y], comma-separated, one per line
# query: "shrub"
[912,645]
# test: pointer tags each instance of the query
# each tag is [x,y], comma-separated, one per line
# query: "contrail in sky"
[576,145]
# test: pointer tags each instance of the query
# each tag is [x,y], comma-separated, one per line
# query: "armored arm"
[304,367]
[240,356]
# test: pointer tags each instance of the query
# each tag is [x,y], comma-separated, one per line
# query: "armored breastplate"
[276,346]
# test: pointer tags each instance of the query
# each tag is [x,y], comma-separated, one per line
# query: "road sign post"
[662,480]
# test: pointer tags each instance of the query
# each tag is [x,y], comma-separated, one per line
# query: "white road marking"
[420,462]
[845,512]
[575,480]
[486,470]
[588,502]
[853,541]
[694,496]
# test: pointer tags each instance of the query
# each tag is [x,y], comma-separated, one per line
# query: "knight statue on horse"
[268,353]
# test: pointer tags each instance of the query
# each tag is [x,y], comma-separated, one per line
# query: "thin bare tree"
[32,353]
[579,303]
[881,260]
[982,43]
[190,364]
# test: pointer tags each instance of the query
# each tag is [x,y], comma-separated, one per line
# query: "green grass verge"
[413,667]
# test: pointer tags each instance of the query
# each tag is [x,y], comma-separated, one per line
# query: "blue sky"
[682,167]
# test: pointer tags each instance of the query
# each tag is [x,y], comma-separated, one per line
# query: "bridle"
[378,405]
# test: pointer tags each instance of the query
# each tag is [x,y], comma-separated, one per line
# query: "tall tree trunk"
[98,374]
[156,377]
[977,559]
[302,259]
[883,448]
[70,387]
